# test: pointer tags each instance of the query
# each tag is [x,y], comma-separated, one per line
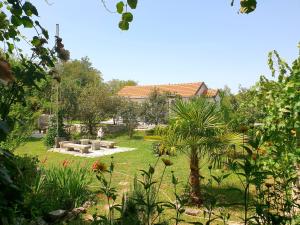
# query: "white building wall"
[202,89]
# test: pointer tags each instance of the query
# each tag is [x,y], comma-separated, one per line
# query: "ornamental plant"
[142,205]
[271,158]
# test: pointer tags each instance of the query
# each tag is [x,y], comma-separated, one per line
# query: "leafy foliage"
[126,16]
[16,176]
[246,7]
[241,110]
[142,204]
[114,107]
[92,105]
[55,130]
[76,76]
[196,128]
[68,185]
[129,114]
[156,108]
[18,80]
[271,158]
[116,85]
[22,75]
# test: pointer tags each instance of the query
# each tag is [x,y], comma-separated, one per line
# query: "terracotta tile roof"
[184,90]
[211,92]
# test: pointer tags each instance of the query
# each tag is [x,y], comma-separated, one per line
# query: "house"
[186,90]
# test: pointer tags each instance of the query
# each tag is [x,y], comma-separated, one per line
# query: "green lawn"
[127,164]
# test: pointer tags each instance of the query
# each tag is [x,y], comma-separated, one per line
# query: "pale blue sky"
[173,41]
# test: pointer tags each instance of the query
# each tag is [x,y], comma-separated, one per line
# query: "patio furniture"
[62,143]
[81,148]
[95,145]
[107,144]
[84,141]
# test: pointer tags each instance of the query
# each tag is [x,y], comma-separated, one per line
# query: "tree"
[69,94]
[198,129]
[240,110]
[80,71]
[15,80]
[155,108]
[92,105]
[114,107]
[228,104]
[129,114]
[20,106]
[116,85]
[75,76]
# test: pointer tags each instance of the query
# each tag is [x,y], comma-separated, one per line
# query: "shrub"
[17,174]
[67,186]
[10,194]
[63,187]
[159,149]
[75,136]
[28,166]
[140,206]
[150,132]
[53,132]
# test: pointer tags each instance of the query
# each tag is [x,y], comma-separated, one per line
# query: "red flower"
[99,167]
[44,160]
[65,163]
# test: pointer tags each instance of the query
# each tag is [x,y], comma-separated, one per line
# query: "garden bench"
[62,143]
[84,141]
[95,144]
[107,144]
[81,148]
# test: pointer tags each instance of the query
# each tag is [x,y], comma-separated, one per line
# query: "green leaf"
[132,3]
[128,17]
[16,21]
[12,32]
[120,7]
[11,47]
[12,1]
[16,10]
[27,22]
[247,6]
[123,25]
[29,9]
[45,33]
[35,41]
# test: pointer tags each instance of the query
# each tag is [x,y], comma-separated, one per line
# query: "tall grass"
[57,187]
[67,186]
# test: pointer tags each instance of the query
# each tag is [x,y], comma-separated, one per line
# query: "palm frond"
[196,124]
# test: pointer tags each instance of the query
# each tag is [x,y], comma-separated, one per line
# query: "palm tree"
[198,130]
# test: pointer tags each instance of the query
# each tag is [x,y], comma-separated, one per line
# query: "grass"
[128,164]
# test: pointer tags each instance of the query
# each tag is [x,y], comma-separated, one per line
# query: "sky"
[173,41]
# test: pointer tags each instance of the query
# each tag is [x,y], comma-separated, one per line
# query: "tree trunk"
[90,127]
[195,195]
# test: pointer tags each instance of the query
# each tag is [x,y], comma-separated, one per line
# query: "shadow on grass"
[34,139]
[226,196]
[124,134]
[137,137]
